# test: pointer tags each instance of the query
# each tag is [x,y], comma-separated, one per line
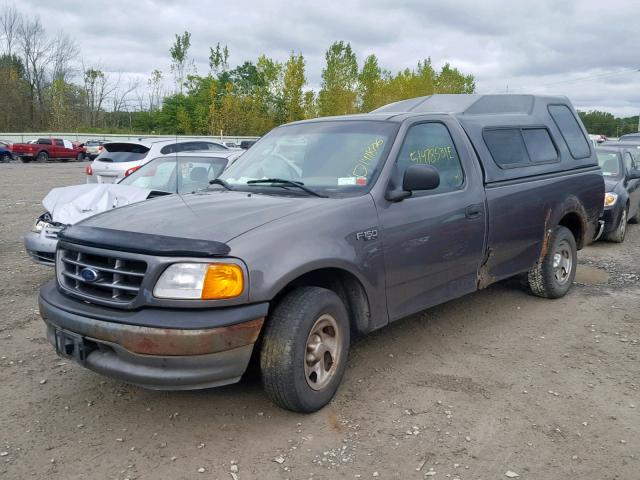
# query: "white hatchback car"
[119,159]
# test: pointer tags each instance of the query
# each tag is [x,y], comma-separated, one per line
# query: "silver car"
[93,148]
[119,159]
[183,173]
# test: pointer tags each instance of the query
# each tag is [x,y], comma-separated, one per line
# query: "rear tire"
[305,348]
[553,276]
[620,232]
[42,157]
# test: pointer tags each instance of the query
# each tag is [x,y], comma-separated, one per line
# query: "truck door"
[58,150]
[434,240]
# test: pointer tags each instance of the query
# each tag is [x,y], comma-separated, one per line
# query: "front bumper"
[153,354]
[41,247]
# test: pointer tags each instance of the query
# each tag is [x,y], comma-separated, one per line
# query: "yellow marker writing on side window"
[429,156]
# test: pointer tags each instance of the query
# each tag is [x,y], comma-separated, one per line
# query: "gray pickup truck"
[324,231]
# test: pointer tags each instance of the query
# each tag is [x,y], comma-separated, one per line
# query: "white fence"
[83,137]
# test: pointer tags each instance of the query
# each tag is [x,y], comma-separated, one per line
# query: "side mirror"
[420,177]
[416,178]
[633,174]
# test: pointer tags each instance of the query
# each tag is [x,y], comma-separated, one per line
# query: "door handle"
[473,211]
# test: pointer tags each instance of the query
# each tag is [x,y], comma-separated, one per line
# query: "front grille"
[117,280]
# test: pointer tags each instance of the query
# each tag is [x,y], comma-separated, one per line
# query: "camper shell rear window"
[512,147]
[570,130]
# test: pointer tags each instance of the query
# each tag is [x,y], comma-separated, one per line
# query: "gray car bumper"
[155,358]
[41,247]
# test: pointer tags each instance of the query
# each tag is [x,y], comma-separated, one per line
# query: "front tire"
[42,157]
[305,348]
[80,157]
[553,276]
[620,232]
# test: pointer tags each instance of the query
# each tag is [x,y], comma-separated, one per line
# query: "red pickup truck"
[49,149]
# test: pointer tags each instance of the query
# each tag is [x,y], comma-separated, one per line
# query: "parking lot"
[496,382]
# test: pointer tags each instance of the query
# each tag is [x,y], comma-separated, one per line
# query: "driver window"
[431,144]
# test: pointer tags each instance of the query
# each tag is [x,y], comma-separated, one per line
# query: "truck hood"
[213,216]
[69,205]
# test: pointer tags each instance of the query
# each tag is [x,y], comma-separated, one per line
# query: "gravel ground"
[494,384]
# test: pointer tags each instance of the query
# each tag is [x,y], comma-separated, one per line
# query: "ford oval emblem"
[89,274]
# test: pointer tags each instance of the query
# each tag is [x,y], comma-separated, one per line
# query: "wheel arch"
[346,284]
[572,216]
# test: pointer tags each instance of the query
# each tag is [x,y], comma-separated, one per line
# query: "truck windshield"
[334,158]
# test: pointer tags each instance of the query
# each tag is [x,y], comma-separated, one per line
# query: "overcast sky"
[587,50]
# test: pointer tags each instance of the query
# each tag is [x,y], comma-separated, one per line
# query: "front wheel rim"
[562,262]
[323,352]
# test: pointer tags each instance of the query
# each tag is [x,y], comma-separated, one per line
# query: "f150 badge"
[367,235]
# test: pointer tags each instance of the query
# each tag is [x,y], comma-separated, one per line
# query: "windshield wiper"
[219,181]
[289,183]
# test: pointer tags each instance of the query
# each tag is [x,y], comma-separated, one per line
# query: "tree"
[310,104]
[35,49]
[64,50]
[218,59]
[14,94]
[370,85]
[155,90]
[294,81]
[10,22]
[179,52]
[450,80]
[339,79]
[97,89]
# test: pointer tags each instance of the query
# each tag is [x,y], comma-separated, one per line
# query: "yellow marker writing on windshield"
[361,169]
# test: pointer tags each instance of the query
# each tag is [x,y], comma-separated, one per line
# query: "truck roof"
[563,137]
[471,104]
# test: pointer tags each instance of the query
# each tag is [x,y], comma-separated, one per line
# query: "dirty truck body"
[453,193]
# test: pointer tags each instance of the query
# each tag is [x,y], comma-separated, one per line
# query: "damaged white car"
[187,172]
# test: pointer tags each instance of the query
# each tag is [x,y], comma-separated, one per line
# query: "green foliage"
[604,123]
[293,83]
[14,94]
[179,52]
[249,99]
[339,81]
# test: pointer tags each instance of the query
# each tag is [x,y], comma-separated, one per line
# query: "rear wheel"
[42,157]
[553,276]
[619,233]
[305,348]
[6,157]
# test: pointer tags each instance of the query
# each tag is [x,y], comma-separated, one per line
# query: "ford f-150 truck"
[48,149]
[324,231]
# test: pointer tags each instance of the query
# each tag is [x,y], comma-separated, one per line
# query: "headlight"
[610,199]
[204,281]
[39,225]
